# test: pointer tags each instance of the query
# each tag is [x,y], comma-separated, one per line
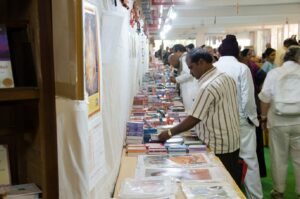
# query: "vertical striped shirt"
[217,108]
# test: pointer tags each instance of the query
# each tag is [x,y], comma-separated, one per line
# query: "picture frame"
[68,48]
[91,56]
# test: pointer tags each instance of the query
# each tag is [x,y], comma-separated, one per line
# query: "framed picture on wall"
[91,56]
[68,48]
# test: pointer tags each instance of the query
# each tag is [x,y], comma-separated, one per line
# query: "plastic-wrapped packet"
[179,174]
[176,160]
[148,188]
[208,190]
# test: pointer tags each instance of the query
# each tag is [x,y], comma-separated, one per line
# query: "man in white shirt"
[284,128]
[185,79]
[229,64]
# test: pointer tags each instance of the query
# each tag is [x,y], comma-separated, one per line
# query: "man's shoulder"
[229,63]
[221,77]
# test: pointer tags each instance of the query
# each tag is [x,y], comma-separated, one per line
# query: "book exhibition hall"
[150,99]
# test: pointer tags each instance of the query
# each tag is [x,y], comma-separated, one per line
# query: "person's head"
[229,46]
[292,54]
[173,60]
[290,42]
[269,54]
[268,45]
[246,55]
[209,49]
[178,49]
[190,47]
[199,61]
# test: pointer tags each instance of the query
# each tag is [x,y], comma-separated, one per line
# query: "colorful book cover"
[6,76]
[169,161]
[180,173]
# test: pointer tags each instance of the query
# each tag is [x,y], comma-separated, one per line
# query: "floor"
[267,181]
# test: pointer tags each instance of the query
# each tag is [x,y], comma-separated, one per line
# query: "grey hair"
[292,54]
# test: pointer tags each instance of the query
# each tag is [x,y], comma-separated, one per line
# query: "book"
[174,161]
[23,191]
[4,166]
[151,187]
[6,75]
[199,189]
[180,173]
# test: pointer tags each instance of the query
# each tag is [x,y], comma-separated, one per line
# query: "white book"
[4,166]
[23,191]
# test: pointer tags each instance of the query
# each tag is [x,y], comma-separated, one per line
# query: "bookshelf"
[21,93]
[28,117]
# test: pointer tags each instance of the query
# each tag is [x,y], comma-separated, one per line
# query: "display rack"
[28,118]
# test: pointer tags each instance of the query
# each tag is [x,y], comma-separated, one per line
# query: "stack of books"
[175,140]
[155,148]
[177,149]
[135,132]
[153,99]
[138,110]
[148,132]
[197,148]
[136,149]
[192,142]
[140,100]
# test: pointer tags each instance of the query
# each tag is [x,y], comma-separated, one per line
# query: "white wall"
[122,66]
[257,36]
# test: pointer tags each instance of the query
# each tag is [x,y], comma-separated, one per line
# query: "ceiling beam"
[167,3]
[198,4]
[243,11]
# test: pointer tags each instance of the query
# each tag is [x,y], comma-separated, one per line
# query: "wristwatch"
[169,132]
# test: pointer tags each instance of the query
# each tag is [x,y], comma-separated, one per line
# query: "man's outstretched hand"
[163,136]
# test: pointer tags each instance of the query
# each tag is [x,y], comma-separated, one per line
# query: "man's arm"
[248,98]
[264,112]
[185,125]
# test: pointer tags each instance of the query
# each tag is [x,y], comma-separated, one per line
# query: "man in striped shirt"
[214,112]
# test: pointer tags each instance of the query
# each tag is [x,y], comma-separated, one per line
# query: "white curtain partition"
[124,56]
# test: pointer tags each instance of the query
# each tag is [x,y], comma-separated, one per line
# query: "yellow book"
[4,166]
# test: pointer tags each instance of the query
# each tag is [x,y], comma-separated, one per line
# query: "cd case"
[148,188]
[179,174]
[177,161]
[208,190]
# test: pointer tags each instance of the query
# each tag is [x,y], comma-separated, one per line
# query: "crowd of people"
[232,99]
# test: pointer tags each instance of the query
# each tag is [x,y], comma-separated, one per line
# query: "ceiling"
[215,16]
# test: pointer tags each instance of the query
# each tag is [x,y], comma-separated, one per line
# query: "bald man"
[174,62]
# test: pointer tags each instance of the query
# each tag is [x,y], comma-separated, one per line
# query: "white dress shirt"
[267,93]
[245,88]
[187,84]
